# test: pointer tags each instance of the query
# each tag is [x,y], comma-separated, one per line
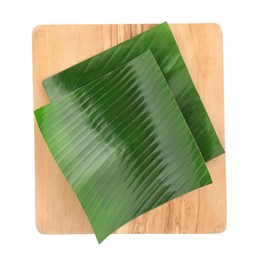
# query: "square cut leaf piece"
[164,48]
[123,144]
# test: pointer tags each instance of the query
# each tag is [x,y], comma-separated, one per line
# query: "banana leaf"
[123,145]
[164,48]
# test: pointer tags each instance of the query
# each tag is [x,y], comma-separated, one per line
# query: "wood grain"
[57,209]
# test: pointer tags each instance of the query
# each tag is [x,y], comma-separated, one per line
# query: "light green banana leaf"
[164,48]
[123,145]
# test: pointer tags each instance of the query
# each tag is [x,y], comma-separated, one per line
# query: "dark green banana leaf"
[164,48]
[123,145]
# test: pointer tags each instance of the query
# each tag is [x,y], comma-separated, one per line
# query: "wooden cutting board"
[57,209]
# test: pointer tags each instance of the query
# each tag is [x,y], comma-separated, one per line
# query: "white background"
[19,238]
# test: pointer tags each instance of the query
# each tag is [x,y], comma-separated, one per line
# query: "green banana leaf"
[164,48]
[123,145]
